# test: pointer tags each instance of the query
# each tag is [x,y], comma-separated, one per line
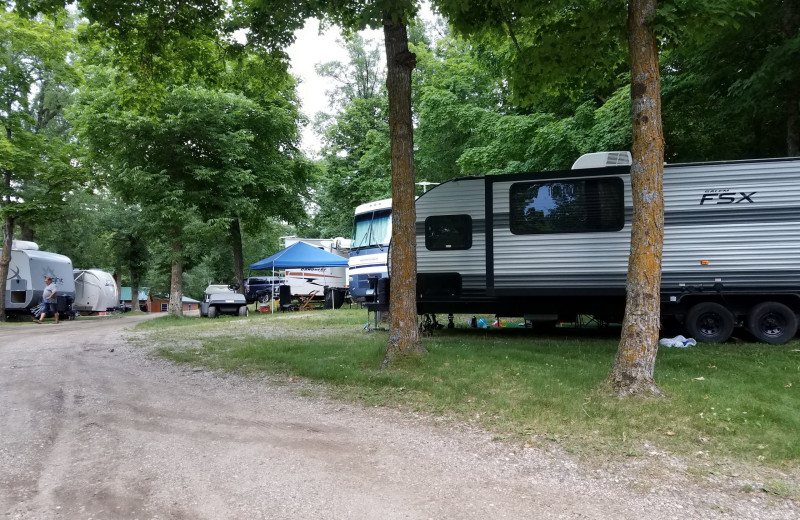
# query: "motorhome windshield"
[371,229]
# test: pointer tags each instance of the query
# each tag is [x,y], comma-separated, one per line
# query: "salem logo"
[728,197]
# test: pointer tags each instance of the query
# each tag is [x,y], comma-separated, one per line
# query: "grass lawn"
[736,402]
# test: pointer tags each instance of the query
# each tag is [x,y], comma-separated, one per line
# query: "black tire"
[334,299]
[772,322]
[338,298]
[710,322]
[212,312]
[243,311]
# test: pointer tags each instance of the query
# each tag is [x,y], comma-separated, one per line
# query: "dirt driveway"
[94,428]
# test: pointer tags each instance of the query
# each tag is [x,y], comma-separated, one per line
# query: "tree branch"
[510,28]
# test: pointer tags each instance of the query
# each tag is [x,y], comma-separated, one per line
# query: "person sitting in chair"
[49,297]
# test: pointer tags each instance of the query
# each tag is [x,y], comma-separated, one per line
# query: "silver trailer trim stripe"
[703,217]
[726,216]
[729,280]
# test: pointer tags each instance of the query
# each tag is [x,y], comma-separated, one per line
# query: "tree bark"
[403,332]
[135,292]
[175,306]
[235,231]
[793,120]
[5,261]
[632,372]
[26,232]
[791,23]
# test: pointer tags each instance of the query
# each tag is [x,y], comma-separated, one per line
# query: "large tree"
[634,364]
[216,123]
[36,82]
[276,19]
[578,49]
[200,152]
[400,61]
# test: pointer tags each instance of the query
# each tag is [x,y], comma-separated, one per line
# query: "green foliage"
[36,79]
[728,95]
[360,78]
[355,156]
[201,151]
[548,49]
[82,230]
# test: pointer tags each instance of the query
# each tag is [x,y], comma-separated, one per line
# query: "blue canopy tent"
[297,256]
[300,255]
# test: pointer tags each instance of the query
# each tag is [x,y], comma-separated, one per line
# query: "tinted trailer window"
[579,206]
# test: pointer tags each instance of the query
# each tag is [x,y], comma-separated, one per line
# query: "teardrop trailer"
[555,245]
[95,291]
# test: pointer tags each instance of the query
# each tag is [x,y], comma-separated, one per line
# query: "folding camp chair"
[305,301]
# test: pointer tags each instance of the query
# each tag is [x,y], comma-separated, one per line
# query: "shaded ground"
[93,427]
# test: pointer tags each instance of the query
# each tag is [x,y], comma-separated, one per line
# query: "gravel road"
[96,428]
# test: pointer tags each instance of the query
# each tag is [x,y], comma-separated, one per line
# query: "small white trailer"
[556,245]
[95,291]
[26,272]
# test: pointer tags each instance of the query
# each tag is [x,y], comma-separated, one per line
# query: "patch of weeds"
[777,488]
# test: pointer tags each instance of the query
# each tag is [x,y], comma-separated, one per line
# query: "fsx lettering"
[728,197]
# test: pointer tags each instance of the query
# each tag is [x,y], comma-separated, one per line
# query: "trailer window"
[446,232]
[582,206]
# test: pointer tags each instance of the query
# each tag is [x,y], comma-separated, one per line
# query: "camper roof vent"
[24,244]
[602,160]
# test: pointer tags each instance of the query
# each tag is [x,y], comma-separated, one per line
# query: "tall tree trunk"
[26,232]
[791,23]
[238,257]
[793,120]
[403,332]
[632,372]
[5,261]
[135,291]
[175,306]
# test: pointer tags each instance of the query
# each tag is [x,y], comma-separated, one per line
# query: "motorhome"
[318,282]
[369,247]
[26,272]
[555,245]
[95,291]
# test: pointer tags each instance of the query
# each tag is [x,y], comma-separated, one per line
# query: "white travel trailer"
[95,291]
[26,272]
[313,282]
[369,247]
[554,245]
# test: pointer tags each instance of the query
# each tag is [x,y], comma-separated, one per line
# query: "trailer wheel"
[212,312]
[772,322]
[243,311]
[710,322]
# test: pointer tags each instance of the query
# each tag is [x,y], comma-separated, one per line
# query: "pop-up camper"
[554,245]
[95,291]
[26,273]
